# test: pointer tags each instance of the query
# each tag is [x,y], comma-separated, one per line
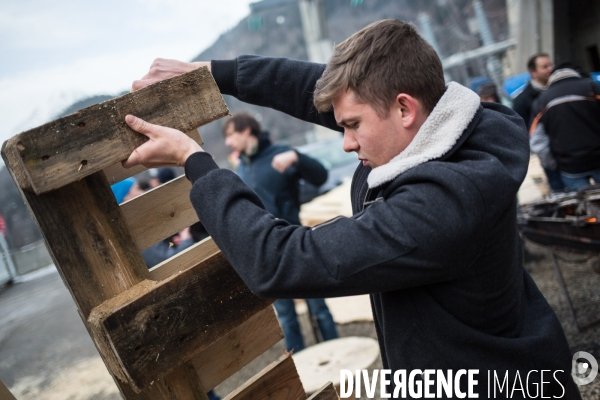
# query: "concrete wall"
[31,258]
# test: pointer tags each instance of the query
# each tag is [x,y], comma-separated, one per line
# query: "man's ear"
[408,108]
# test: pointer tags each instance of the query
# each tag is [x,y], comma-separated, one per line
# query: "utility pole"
[427,33]
[494,65]
[318,46]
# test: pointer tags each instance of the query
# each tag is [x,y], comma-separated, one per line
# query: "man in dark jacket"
[566,130]
[274,173]
[433,238]
[540,68]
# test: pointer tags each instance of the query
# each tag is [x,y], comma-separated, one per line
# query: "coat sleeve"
[311,170]
[394,244]
[540,145]
[279,83]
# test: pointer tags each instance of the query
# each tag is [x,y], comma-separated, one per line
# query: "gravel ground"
[45,349]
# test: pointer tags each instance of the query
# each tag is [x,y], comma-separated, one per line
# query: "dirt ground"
[46,353]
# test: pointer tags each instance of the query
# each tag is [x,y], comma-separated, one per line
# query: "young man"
[274,173]
[433,238]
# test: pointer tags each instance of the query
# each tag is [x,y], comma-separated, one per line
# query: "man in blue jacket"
[274,173]
[433,238]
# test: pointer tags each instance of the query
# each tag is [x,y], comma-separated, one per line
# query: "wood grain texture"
[185,259]
[327,392]
[278,381]
[116,173]
[234,350]
[160,212]
[70,148]
[90,245]
[155,327]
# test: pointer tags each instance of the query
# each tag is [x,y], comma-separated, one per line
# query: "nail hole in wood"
[44,158]
[84,162]
[81,124]
[172,214]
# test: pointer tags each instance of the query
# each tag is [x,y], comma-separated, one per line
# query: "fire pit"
[565,221]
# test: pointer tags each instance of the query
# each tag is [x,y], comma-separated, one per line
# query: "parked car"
[339,164]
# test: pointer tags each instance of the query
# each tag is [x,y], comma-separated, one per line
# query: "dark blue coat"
[279,192]
[433,240]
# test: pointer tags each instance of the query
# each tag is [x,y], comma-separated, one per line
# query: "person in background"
[488,92]
[121,189]
[163,175]
[273,172]
[565,133]
[540,68]
[485,89]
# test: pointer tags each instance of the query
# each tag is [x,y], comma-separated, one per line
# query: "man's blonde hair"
[379,62]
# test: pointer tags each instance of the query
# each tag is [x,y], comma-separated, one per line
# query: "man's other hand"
[162,69]
[283,161]
[165,146]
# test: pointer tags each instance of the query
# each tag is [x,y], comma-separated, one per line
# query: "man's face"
[543,70]
[376,141]
[236,141]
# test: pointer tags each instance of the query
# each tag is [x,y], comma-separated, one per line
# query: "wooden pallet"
[181,328]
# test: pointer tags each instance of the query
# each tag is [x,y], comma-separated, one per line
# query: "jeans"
[577,181]
[555,180]
[286,312]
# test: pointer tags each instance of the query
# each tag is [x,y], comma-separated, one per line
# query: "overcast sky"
[56,52]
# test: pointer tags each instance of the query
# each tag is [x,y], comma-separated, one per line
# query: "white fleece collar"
[438,134]
[561,74]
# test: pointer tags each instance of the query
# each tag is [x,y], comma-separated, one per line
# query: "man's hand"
[283,161]
[162,69]
[166,146]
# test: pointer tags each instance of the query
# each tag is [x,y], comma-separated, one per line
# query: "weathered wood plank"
[184,260]
[278,381]
[5,394]
[234,350]
[327,392]
[90,245]
[70,148]
[155,326]
[116,173]
[160,212]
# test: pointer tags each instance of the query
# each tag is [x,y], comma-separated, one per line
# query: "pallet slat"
[160,212]
[154,327]
[116,173]
[278,381]
[327,392]
[5,394]
[70,148]
[184,260]
[236,349]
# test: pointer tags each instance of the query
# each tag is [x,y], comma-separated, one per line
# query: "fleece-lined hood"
[438,134]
